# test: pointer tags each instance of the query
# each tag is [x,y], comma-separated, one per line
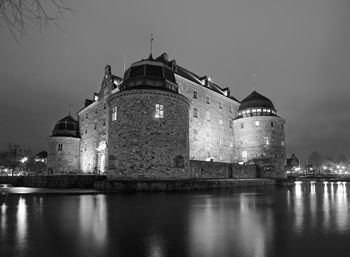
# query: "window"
[207,99]
[114,113]
[282,142]
[281,126]
[159,111]
[208,116]
[60,146]
[87,116]
[195,95]
[230,122]
[179,161]
[271,123]
[242,125]
[221,122]
[220,105]
[104,107]
[195,133]
[231,143]
[266,140]
[86,131]
[230,108]
[257,123]
[104,122]
[195,112]
[95,125]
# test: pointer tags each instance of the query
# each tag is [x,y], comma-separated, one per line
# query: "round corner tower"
[259,136]
[148,120]
[63,147]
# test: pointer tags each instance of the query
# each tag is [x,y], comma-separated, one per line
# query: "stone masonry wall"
[64,161]
[209,137]
[202,169]
[143,146]
[264,144]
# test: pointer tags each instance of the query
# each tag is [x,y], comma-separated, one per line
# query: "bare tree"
[15,15]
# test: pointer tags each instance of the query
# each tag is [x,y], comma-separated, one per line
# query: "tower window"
[230,122]
[231,143]
[271,123]
[195,133]
[60,146]
[221,122]
[207,99]
[230,108]
[242,125]
[266,141]
[281,126]
[195,95]
[282,142]
[114,113]
[104,107]
[95,125]
[257,123]
[220,105]
[208,139]
[208,116]
[195,112]
[159,111]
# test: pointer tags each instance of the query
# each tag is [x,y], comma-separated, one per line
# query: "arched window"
[179,162]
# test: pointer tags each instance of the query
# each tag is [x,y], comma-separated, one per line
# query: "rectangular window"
[242,125]
[159,111]
[230,108]
[230,122]
[208,116]
[220,105]
[221,122]
[114,113]
[95,125]
[281,126]
[195,133]
[266,141]
[271,123]
[60,146]
[257,123]
[195,96]
[207,99]
[195,112]
[282,142]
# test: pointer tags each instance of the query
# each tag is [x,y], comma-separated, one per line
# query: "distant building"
[159,117]
[293,162]
[41,157]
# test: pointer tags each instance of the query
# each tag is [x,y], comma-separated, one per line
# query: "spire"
[253,81]
[151,45]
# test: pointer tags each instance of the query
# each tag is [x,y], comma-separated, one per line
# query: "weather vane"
[253,81]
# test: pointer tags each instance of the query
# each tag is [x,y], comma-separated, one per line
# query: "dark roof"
[255,100]
[41,155]
[66,127]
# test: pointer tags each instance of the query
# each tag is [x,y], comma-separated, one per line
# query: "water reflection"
[21,227]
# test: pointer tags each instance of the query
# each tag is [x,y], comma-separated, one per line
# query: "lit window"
[221,122]
[208,116]
[242,125]
[268,110]
[114,113]
[220,158]
[243,112]
[253,110]
[159,111]
[195,112]
[258,110]
[195,96]
[60,146]
[264,110]
[207,99]
[257,123]
[220,105]
[266,140]
[248,111]
[282,142]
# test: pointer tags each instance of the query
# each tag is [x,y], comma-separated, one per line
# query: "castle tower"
[259,136]
[148,125]
[63,147]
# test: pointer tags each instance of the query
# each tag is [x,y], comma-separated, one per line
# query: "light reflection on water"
[310,217]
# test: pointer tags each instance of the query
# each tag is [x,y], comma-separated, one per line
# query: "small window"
[195,95]
[208,139]
[104,107]
[104,122]
[60,146]
[230,122]
[221,123]
[257,123]
[231,143]
[282,142]
[207,99]
[179,162]
[159,111]
[220,105]
[87,116]
[281,126]
[195,133]
[242,125]
[271,123]
[86,131]
[266,141]
[230,108]
[195,112]
[208,116]
[114,113]
[95,125]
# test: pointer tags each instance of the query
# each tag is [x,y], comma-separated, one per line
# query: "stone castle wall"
[264,144]
[143,146]
[210,135]
[66,160]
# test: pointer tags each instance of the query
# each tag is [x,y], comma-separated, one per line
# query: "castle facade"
[158,118]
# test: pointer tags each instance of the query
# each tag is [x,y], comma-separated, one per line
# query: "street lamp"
[24,160]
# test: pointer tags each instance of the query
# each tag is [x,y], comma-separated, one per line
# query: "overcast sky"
[299,51]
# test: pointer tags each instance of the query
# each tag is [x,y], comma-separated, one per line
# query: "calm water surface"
[308,219]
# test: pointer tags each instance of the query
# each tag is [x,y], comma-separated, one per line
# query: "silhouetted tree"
[11,156]
[316,160]
[15,15]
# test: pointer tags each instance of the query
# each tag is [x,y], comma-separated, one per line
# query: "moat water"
[307,219]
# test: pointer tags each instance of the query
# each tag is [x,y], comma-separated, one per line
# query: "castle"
[161,117]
